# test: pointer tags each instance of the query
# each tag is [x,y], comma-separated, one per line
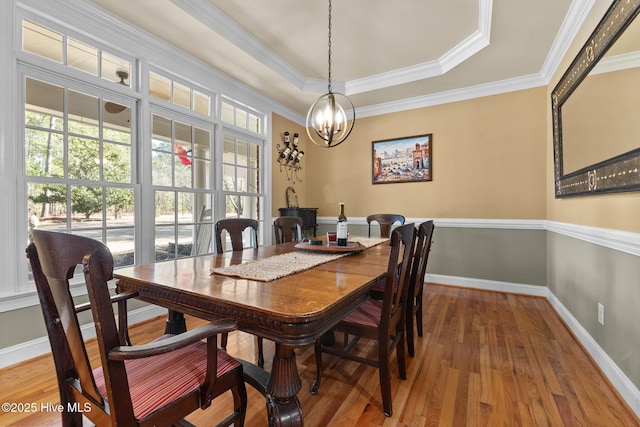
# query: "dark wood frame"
[619,173]
[377,169]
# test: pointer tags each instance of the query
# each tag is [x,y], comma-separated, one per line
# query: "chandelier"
[328,123]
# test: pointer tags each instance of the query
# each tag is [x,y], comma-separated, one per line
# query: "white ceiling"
[383,52]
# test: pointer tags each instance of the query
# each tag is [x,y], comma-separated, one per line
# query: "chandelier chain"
[329,79]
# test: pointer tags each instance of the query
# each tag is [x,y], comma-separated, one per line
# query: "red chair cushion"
[368,314]
[158,380]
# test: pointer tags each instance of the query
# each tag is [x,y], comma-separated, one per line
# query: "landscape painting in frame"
[405,159]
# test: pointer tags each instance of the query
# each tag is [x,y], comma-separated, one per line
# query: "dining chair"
[288,229]
[141,385]
[235,228]
[416,283]
[382,321]
[385,221]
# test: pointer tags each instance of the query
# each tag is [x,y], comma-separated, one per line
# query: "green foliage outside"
[87,160]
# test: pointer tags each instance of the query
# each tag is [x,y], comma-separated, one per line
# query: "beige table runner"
[277,266]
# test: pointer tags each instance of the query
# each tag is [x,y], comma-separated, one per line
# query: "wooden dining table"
[292,311]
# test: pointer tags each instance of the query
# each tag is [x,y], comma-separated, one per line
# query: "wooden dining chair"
[416,283]
[235,228]
[382,321]
[288,229]
[385,221]
[142,385]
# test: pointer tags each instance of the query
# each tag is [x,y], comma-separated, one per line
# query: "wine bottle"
[342,229]
[295,140]
[293,156]
[284,155]
[286,138]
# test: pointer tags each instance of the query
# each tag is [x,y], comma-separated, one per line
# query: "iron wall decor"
[407,159]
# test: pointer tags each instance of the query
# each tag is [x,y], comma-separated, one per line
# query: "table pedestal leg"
[283,406]
[176,324]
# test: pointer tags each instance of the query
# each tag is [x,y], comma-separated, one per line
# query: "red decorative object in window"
[182,154]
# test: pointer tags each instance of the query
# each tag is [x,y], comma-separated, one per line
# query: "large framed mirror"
[596,110]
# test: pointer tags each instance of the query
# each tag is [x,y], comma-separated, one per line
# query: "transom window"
[50,44]
[240,117]
[164,88]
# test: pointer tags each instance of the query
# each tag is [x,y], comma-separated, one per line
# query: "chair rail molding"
[623,241]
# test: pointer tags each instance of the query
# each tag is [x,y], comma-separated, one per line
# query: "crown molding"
[216,20]
[573,20]
[209,15]
[468,47]
[462,94]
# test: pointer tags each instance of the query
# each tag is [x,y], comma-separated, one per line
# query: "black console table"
[309,219]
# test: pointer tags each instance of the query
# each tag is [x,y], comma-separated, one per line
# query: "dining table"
[291,294]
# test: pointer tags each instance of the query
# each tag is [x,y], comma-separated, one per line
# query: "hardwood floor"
[486,359]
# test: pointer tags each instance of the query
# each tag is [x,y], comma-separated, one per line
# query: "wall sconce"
[289,157]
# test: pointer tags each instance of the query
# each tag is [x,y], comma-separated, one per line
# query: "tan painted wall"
[614,211]
[488,162]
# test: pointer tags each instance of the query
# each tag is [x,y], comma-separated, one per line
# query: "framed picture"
[407,159]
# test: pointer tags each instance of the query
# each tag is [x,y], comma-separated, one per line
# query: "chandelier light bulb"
[328,123]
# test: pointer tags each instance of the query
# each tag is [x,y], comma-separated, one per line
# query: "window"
[241,181]
[78,166]
[181,172]
[44,42]
[240,117]
[164,88]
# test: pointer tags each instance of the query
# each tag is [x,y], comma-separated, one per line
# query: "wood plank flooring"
[486,359]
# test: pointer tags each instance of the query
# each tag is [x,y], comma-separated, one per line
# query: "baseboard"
[39,346]
[627,389]
[489,285]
